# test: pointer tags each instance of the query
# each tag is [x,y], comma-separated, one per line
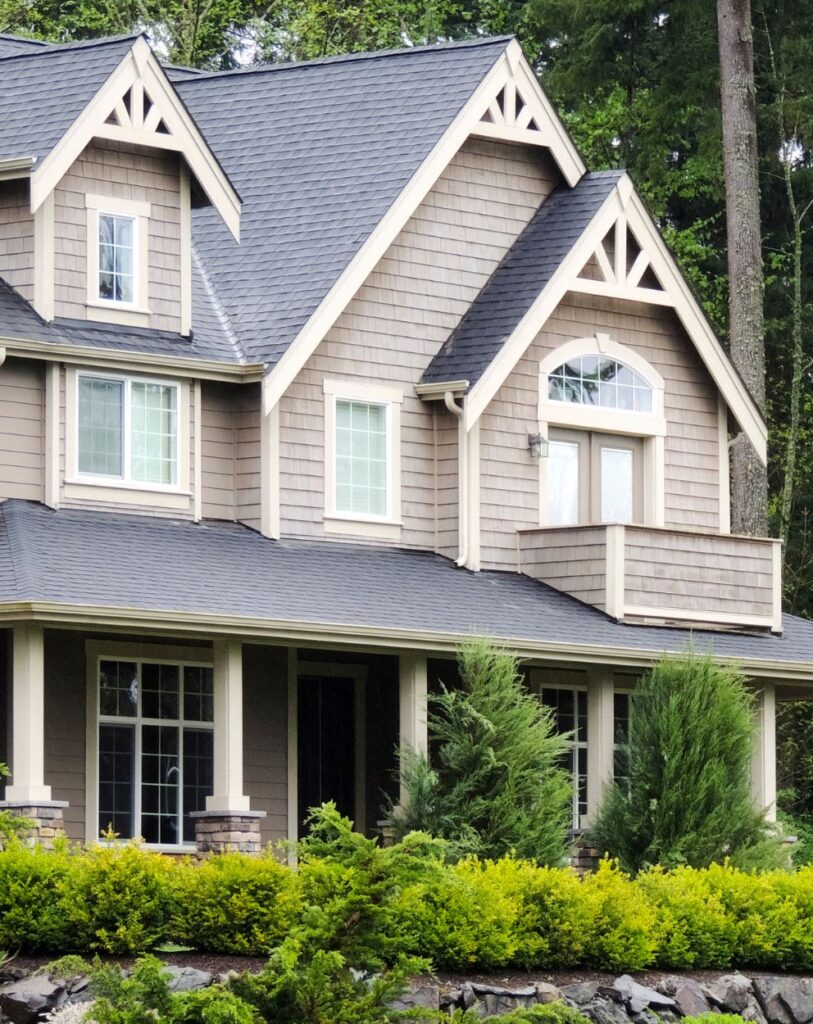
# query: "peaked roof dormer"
[111,89]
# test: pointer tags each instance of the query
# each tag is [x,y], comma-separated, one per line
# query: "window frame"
[135,313]
[578,819]
[387,526]
[155,654]
[124,488]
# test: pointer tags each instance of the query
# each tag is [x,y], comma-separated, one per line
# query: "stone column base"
[584,859]
[227,831]
[46,817]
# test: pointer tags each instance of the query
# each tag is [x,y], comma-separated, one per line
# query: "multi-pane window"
[621,735]
[116,258]
[155,748]
[361,458]
[597,380]
[569,708]
[128,429]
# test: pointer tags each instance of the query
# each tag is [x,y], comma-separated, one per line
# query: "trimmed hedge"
[470,915]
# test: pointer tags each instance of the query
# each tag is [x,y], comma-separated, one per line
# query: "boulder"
[580,993]
[185,979]
[688,994]
[604,1011]
[28,999]
[639,997]
[786,999]
[731,992]
[546,993]
[426,996]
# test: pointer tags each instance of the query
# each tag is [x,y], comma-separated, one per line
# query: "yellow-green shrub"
[622,935]
[31,881]
[236,904]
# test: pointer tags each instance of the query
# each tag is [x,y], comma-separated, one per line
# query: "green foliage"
[547,1013]
[11,825]
[495,785]
[686,794]
[232,904]
[715,1018]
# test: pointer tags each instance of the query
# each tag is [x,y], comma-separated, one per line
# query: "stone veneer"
[46,817]
[224,831]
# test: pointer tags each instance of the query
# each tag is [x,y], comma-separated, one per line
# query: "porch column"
[600,735]
[763,760]
[228,823]
[27,795]
[412,704]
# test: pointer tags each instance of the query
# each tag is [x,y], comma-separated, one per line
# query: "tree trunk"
[749,504]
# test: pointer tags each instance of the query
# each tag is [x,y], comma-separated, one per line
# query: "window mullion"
[137,830]
[126,431]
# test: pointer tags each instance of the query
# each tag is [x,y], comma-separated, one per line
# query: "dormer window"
[117,260]
[117,242]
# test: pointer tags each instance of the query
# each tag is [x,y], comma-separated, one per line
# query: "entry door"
[593,478]
[326,743]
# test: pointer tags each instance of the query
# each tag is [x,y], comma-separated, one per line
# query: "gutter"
[462,478]
[16,167]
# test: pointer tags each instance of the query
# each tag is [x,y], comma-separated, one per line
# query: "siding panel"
[22,441]
[17,237]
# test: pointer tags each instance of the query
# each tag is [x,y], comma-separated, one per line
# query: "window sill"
[115,313]
[352,526]
[127,493]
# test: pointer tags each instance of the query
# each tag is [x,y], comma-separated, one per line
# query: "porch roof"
[76,566]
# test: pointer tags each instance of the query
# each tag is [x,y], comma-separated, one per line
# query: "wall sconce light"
[537,446]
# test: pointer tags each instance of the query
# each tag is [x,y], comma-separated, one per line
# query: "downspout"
[462,478]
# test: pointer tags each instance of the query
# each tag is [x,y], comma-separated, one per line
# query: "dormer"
[96,196]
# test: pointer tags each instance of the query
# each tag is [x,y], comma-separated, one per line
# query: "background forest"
[637,82]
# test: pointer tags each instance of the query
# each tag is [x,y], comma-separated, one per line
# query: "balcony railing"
[660,575]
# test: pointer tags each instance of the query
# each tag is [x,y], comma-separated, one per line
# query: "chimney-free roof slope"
[318,152]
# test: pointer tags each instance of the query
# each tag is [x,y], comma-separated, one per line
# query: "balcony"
[661,576]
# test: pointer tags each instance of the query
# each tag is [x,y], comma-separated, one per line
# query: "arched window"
[599,380]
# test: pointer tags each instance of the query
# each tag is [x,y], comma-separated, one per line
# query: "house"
[310,372]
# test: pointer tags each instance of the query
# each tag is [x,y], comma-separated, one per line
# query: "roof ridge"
[347,58]
[52,48]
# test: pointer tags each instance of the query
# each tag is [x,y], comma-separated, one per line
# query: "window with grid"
[597,380]
[621,736]
[155,748]
[361,458]
[569,708]
[116,258]
[128,429]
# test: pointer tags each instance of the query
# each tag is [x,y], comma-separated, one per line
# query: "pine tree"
[494,784]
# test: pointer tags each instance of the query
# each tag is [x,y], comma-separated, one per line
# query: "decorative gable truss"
[138,105]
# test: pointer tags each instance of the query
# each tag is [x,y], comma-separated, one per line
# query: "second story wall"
[230,464]
[395,325]
[133,175]
[17,237]
[510,477]
[22,418]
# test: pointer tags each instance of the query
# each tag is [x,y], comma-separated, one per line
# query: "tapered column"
[763,760]
[600,735]
[228,823]
[412,704]
[28,718]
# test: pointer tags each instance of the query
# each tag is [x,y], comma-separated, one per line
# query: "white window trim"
[135,313]
[650,426]
[540,683]
[107,488]
[387,527]
[95,652]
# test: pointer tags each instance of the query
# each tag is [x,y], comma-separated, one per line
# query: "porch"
[225,742]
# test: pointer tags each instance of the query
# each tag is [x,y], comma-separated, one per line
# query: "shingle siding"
[17,237]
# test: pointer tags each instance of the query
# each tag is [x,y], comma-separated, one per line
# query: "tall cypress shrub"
[684,795]
[494,784]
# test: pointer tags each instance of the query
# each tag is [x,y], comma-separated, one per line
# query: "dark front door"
[326,743]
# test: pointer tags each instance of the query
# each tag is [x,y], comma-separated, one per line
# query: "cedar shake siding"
[230,450]
[17,237]
[22,441]
[122,172]
[399,319]
[509,477]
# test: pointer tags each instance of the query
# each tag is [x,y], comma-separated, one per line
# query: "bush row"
[473,914]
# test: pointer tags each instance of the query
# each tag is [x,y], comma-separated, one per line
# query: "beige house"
[308,373]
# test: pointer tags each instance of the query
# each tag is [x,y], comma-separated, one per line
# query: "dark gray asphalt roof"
[318,152]
[516,283]
[43,91]
[18,319]
[114,560]
[12,45]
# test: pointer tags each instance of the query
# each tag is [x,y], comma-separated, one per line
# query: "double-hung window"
[127,430]
[118,259]
[117,247]
[362,458]
[568,705]
[154,747]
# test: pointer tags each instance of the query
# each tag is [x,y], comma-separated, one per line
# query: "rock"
[185,979]
[450,999]
[639,998]
[580,993]
[425,996]
[731,992]
[604,1011]
[28,1000]
[467,996]
[688,995]
[546,993]
[753,1012]
[786,999]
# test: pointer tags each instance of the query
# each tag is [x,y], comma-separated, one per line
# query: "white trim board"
[167,125]
[509,67]
[624,202]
